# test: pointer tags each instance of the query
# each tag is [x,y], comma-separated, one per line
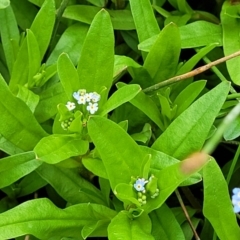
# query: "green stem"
[59,14]
[233,96]
[216,138]
[233,164]
[218,73]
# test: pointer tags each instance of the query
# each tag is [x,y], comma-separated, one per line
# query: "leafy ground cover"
[119,119]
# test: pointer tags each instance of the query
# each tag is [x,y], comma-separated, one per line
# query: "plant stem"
[190,74]
[218,73]
[59,14]
[233,96]
[216,138]
[186,214]
[234,162]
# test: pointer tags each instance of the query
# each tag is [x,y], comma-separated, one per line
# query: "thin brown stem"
[27,237]
[191,198]
[186,214]
[190,74]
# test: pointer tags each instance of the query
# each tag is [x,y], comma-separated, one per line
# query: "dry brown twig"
[190,74]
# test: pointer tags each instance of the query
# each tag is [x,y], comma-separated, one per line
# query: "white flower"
[92,107]
[76,95]
[88,97]
[70,106]
[95,97]
[82,99]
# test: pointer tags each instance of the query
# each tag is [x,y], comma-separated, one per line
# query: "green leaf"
[179,20]
[144,19]
[95,229]
[217,207]
[160,161]
[188,95]
[33,56]
[144,103]
[30,184]
[121,19]
[196,34]
[52,221]
[43,24]
[27,96]
[233,130]
[122,227]
[184,7]
[145,135]
[200,33]
[119,97]
[106,135]
[161,62]
[164,224]
[19,75]
[188,66]
[8,147]
[94,74]
[21,129]
[122,63]
[49,99]
[171,177]
[24,13]
[131,39]
[70,185]
[230,28]
[68,75]
[95,166]
[17,166]
[99,3]
[9,34]
[191,63]
[191,128]
[125,192]
[105,189]
[4,4]
[56,148]
[70,42]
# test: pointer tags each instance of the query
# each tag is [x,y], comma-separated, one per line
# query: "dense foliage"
[106,129]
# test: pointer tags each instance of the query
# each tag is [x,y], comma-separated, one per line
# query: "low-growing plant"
[104,119]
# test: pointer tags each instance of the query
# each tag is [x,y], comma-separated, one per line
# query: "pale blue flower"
[139,184]
[95,97]
[236,200]
[76,95]
[88,97]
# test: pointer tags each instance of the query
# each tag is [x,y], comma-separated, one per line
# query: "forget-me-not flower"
[76,95]
[95,97]
[92,107]
[70,106]
[139,184]
[236,200]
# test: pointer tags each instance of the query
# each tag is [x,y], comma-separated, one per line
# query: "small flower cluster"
[139,185]
[66,124]
[146,187]
[82,97]
[236,200]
